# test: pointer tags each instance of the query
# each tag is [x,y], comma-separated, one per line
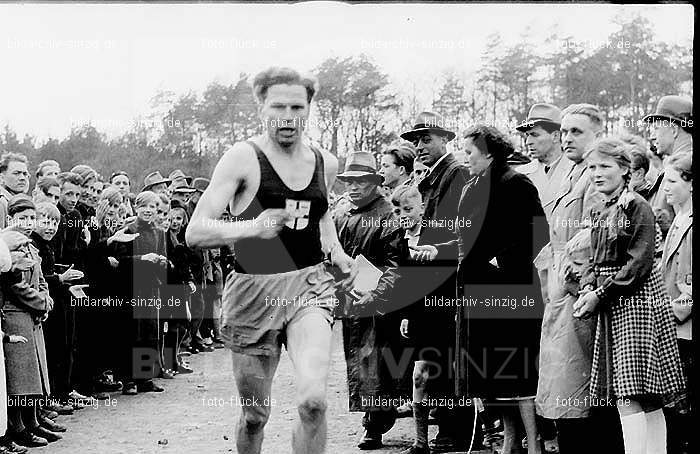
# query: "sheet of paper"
[367,274]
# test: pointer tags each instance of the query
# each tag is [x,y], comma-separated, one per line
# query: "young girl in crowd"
[26,305]
[635,358]
[677,270]
[180,284]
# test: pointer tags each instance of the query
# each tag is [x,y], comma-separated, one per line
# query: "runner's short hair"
[48,210]
[282,76]
[7,158]
[69,177]
[589,110]
[46,183]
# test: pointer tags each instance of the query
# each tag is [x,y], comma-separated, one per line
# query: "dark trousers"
[206,329]
[378,422]
[575,433]
[59,332]
[197,311]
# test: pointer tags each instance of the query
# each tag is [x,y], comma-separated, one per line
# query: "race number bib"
[299,210]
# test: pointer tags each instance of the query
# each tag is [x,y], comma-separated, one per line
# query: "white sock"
[634,432]
[656,432]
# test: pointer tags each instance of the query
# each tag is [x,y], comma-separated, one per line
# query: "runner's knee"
[255,418]
[312,408]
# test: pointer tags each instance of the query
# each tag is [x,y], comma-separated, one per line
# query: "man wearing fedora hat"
[178,179]
[372,229]
[671,132]
[440,188]
[543,142]
[155,182]
[280,291]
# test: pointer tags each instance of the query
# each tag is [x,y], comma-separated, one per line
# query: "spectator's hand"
[192,287]
[13,239]
[70,275]
[86,234]
[16,339]
[113,262]
[586,305]
[424,253]
[151,257]
[404,328]
[122,237]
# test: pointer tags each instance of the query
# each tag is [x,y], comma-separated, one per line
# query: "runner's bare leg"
[253,375]
[309,347]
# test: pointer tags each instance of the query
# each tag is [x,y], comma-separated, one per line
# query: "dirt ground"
[196,415]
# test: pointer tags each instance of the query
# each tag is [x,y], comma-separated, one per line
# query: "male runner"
[280,291]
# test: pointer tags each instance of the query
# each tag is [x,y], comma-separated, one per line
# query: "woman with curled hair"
[677,270]
[502,228]
[635,357]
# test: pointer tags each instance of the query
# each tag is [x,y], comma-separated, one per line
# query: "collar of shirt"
[434,166]
[367,206]
[408,235]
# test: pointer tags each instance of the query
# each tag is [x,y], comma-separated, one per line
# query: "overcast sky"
[63,64]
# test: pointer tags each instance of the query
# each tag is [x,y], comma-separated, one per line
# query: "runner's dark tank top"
[298,244]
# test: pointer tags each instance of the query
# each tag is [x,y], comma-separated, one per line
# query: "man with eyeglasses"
[441,188]
[14,179]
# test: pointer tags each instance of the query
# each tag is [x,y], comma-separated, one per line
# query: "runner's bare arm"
[205,229]
[329,236]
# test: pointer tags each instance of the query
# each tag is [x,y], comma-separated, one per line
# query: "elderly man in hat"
[200,185]
[179,179]
[155,182]
[543,140]
[671,132]
[370,229]
[440,187]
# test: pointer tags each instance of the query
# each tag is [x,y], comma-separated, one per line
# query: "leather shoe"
[13,447]
[167,374]
[204,348]
[48,424]
[46,434]
[48,413]
[441,444]
[28,439]
[130,389]
[149,387]
[182,369]
[370,441]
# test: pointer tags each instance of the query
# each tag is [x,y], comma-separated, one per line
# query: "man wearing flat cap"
[372,229]
[440,188]
[671,132]
[543,142]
